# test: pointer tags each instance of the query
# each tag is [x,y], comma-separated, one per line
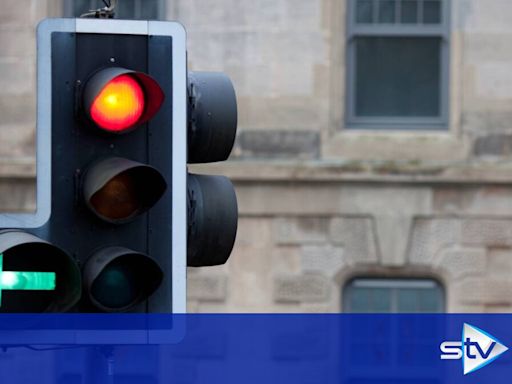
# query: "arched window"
[379,295]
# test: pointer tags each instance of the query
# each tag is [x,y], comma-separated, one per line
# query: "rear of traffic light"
[212,204]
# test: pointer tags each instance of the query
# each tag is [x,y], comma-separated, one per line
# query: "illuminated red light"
[120,104]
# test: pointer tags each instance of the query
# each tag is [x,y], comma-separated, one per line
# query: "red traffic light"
[119,105]
[117,100]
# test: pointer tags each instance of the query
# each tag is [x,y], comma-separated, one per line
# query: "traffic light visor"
[36,276]
[117,100]
[117,189]
[117,278]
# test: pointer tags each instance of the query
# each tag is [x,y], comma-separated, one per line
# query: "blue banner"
[267,348]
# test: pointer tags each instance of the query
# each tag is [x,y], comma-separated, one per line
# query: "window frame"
[355,30]
[393,284]
[70,5]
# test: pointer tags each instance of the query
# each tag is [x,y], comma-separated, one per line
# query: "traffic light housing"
[35,275]
[212,203]
[116,162]
[118,216]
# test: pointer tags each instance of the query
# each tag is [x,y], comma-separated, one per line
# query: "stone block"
[487,232]
[213,307]
[499,264]
[325,259]
[331,199]
[17,195]
[17,42]
[448,199]
[251,277]
[17,141]
[386,200]
[430,236]
[278,144]
[486,200]
[206,287]
[463,262]
[485,120]
[480,48]
[286,259]
[393,232]
[16,12]
[304,288]
[481,291]
[355,234]
[301,230]
[254,232]
[494,80]
[494,145]
[18,110]
[303,15]
[282,112]
[18,75]
[320,308]
[487,18]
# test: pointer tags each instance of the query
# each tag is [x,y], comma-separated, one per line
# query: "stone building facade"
[323,202]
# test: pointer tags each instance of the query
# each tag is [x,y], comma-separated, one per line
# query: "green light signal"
[25,281]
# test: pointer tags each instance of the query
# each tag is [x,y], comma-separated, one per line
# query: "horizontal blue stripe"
[238,348]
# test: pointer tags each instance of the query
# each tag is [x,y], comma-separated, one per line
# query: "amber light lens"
[120,104]
[120,198]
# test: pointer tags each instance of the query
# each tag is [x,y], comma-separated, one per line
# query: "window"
[397,64]
[126,9]
[393,296]
[398,346]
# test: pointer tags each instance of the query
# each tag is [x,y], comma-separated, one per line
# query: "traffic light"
[109,234]
[212,204]
[117,137]
[118,217]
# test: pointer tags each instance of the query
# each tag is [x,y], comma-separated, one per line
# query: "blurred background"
[373,160]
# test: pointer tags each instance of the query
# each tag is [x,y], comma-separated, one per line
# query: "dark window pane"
[409,12]
[381,300]
[370,300]
[432,12]
[360,300]
[387,9]
[400,296]
[364,11]
[397,76]
[407,301]
[429,300]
